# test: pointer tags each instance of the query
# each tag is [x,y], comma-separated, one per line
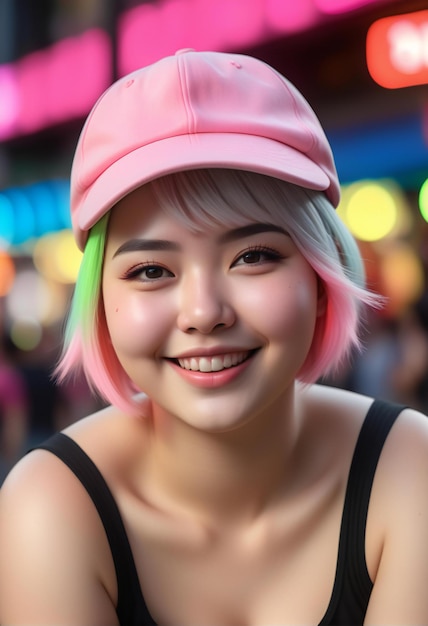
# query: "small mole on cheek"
[117,309]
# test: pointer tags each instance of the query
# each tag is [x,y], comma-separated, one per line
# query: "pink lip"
[211,380]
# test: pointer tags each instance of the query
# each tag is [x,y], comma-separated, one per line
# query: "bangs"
[206,199]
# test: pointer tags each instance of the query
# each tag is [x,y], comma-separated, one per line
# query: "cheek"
[285,309]
[135,327]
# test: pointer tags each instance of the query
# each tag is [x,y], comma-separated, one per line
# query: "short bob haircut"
[201,199]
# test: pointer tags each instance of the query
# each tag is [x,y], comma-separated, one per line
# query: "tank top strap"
[130,598]
[352,586]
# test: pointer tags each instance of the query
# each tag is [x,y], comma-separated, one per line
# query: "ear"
[322,299]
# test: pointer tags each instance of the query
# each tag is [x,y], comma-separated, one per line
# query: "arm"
[55,566]
[400,510]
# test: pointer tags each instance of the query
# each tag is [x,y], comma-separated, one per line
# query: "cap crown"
[194,110]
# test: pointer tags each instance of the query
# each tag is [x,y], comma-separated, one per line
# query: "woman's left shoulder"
[405,454]
[338,406]
[397,524]
[345,412]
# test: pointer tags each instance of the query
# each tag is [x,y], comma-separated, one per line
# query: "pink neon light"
[54,85]
[288,17]
[9,101]
[342,6]
[237,23]
[151,31]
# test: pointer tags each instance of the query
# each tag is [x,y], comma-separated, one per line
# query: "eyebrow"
[137,245]
[250,229]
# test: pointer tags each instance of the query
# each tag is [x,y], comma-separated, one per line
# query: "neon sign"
[205,25]
[63,81]
[397,50]
[54,85]
[341,6]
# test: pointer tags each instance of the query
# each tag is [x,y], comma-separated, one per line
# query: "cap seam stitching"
[184,88]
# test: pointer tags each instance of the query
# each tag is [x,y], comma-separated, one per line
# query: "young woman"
[222,486]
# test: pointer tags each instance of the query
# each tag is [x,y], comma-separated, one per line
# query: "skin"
[232,487]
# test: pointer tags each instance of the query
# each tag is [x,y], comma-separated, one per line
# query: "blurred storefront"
[363,64]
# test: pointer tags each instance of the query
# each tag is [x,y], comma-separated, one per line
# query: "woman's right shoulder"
[41,486]
[42,498]
[52,548]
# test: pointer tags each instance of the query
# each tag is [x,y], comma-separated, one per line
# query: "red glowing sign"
[397,50]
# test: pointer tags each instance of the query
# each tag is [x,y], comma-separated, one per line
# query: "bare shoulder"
[334,416]
[404,463]
[55,554]
[399,514]
[334,402]
[345,410]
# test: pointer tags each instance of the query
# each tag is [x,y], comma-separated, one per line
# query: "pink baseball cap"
[196,110]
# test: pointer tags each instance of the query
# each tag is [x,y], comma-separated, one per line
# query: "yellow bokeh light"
[370,211]
[68,257]
[57,257]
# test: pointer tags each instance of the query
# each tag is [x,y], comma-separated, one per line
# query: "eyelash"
[271,255]
[137,270]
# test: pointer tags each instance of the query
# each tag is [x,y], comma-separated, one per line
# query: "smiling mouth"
[215,363]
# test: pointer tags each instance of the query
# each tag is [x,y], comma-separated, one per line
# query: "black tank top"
[352,586]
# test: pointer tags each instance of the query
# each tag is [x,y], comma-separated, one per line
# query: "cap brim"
[199,151]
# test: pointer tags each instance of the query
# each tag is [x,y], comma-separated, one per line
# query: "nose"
[204,305]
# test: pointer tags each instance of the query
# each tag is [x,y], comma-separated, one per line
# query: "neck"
[227,477]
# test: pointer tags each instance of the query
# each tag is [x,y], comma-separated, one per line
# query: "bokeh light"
[402,276]
[373,210]
[30,211]
[33,296]
[7,222]
[26,333]
[57,257]
[7,272]
[423,200]
[24,215]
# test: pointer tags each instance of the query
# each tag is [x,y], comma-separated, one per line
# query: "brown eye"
[148,273]
[257,256]
[253,256]
[152,273]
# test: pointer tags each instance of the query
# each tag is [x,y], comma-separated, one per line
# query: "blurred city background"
[362,64]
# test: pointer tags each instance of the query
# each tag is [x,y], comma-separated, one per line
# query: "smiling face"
[212,324]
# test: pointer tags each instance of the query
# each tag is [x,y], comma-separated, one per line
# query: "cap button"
[184,50]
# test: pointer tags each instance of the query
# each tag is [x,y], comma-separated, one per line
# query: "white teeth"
[212,364]
[217,364]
